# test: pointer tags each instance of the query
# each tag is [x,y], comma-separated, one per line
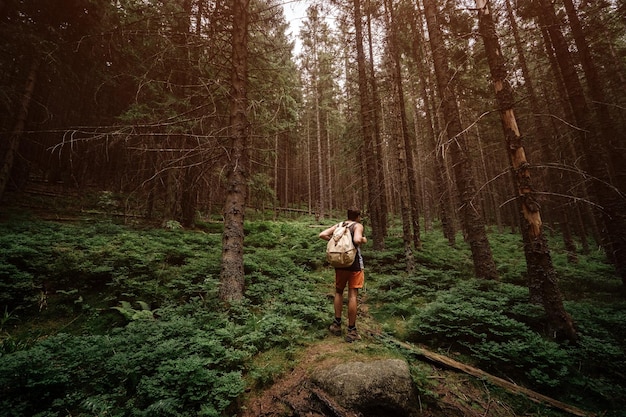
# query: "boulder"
[378,388]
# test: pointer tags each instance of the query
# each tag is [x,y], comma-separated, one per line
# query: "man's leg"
[352,305]
[340,284]
[335,327]
[352,335]
[338,303]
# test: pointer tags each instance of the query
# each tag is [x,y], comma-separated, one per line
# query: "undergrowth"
[493,325]
[103,319]
[147,335]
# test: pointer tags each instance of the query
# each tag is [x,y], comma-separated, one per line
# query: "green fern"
[131,314]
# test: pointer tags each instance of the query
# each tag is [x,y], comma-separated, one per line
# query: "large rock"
[378,388]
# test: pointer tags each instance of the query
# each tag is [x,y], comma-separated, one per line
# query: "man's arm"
[328,233]
[359,238]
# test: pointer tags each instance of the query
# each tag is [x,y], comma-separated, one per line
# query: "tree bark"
[543,136]
[13,142]
[538,259]
[613,140]
[444,200]
[406,166]
[473,222]
[382,208]
[321,202]
[597,156]
[275,175]
[232,278]
[408,186]
[367,126]
[573,150]
[329,166]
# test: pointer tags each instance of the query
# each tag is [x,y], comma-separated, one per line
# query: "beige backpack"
[340,250]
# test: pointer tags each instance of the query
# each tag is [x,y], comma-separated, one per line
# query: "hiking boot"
[352,336]
[335,329]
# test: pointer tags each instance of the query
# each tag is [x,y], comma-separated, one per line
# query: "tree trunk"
[189,197]
[13,142]
[410,207]
[538,259]
[543,136]
[492,192]
[232,273]
[329,166]
[321,202]
[275,176]
[398,132]
[597,157]
[309,171]
[382,208]
[612,138]
[444,201]
[367,126]
[473,222]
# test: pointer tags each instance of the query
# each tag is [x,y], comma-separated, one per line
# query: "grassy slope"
[129,323]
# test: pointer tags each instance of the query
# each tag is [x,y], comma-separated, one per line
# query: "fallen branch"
[509,386]
[293,210]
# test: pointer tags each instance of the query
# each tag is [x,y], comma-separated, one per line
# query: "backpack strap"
[349,224]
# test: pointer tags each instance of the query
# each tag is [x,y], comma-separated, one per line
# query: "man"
[353,276]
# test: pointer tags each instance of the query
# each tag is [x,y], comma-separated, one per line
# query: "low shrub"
[131,324]
[169,346]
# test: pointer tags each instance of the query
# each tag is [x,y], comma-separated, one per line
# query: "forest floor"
[444,392]
[291,395]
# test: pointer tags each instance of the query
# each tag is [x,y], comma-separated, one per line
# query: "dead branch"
[509,386]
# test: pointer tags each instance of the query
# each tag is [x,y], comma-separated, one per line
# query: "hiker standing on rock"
[352,275]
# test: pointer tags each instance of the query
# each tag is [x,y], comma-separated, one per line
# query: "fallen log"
[507,385]
[293,210]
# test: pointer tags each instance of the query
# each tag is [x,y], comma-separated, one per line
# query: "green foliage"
[512,269]
[269,365]
[493,324]
[294,242]
[176,352]
[148,335]
[173,225]
[600,355]
[484,323]
[187,362]
[260,191]
[591,277]
[179,364]
[154,265]
[131,314]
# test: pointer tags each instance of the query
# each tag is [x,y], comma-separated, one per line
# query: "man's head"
[353,213]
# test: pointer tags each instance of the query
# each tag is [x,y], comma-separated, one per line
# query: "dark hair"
[353,213]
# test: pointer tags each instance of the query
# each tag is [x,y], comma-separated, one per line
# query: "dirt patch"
[291,394]
[446,393]
[442,393]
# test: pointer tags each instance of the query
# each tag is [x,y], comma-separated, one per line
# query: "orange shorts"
[354,279]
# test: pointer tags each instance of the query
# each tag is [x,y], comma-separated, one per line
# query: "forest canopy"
[133,97]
